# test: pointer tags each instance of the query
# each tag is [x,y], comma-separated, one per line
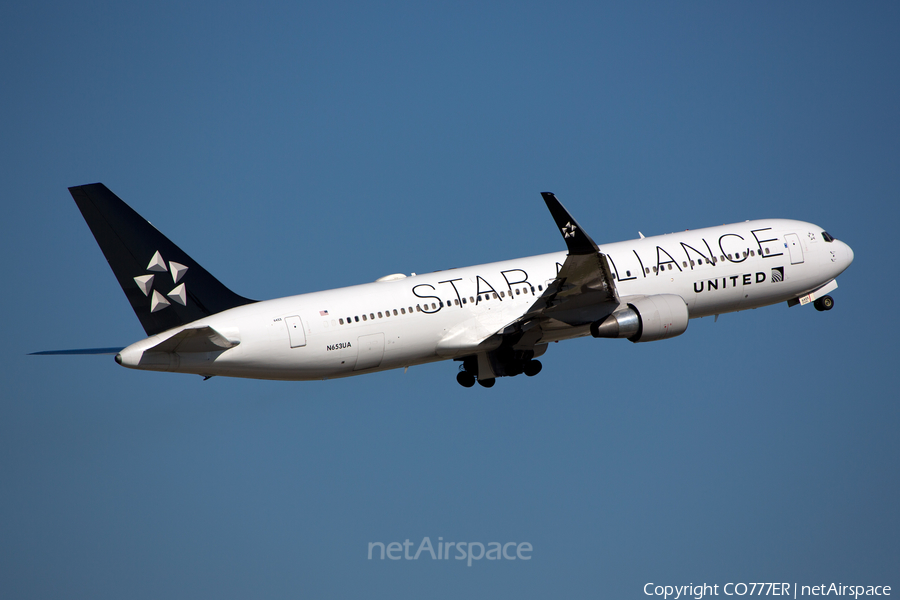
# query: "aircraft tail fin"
[165,286]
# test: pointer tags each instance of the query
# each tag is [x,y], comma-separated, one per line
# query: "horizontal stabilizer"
[78,351]
[201,339]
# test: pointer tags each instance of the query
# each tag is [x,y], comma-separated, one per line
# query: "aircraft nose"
[845,255]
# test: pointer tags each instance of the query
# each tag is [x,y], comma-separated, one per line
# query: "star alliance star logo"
[145,283]
[569,230]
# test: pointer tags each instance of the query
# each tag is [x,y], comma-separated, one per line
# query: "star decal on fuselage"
[145,283]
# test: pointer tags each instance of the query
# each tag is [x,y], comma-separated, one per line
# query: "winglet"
[577,240]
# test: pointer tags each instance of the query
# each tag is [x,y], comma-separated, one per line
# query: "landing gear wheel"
[486,382]
[465,379]
[533,367]
[514,368]
[824,303]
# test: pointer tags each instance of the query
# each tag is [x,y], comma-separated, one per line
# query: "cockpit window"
[827,237]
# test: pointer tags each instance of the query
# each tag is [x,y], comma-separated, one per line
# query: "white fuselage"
[436,316]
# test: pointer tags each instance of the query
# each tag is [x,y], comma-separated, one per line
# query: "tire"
[514,368]
[465,379]
[487,382]
[824,303]
[533,367]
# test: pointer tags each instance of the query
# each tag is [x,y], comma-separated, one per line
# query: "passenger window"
[541,288]
[357,318]
[670,266]
[403,310]
[341,321]
[395,312]
[684,263]
[456,302]
[364,317]
[517,291]
[471,299]
[379,315]
[433,306]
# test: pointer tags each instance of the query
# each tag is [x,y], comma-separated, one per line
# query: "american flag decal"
[323,313]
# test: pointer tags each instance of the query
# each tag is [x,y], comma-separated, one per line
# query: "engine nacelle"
[646,319]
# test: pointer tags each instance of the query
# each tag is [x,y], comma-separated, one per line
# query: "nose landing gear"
[824,303]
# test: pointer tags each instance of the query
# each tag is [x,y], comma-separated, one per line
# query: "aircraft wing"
[582,293]
[584,290]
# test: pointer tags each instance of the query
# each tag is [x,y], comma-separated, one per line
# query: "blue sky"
[302,146]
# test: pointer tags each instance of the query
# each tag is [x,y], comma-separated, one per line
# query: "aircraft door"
[295,331]
[792,241]
[371,351]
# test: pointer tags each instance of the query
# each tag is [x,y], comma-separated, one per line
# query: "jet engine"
[646,318]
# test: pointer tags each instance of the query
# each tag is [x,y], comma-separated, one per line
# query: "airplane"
[494,319]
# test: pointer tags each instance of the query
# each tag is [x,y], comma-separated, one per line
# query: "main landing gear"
[468,374]
[465,379]
[824,303]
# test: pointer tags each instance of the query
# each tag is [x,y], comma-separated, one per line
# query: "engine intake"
[647,318]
